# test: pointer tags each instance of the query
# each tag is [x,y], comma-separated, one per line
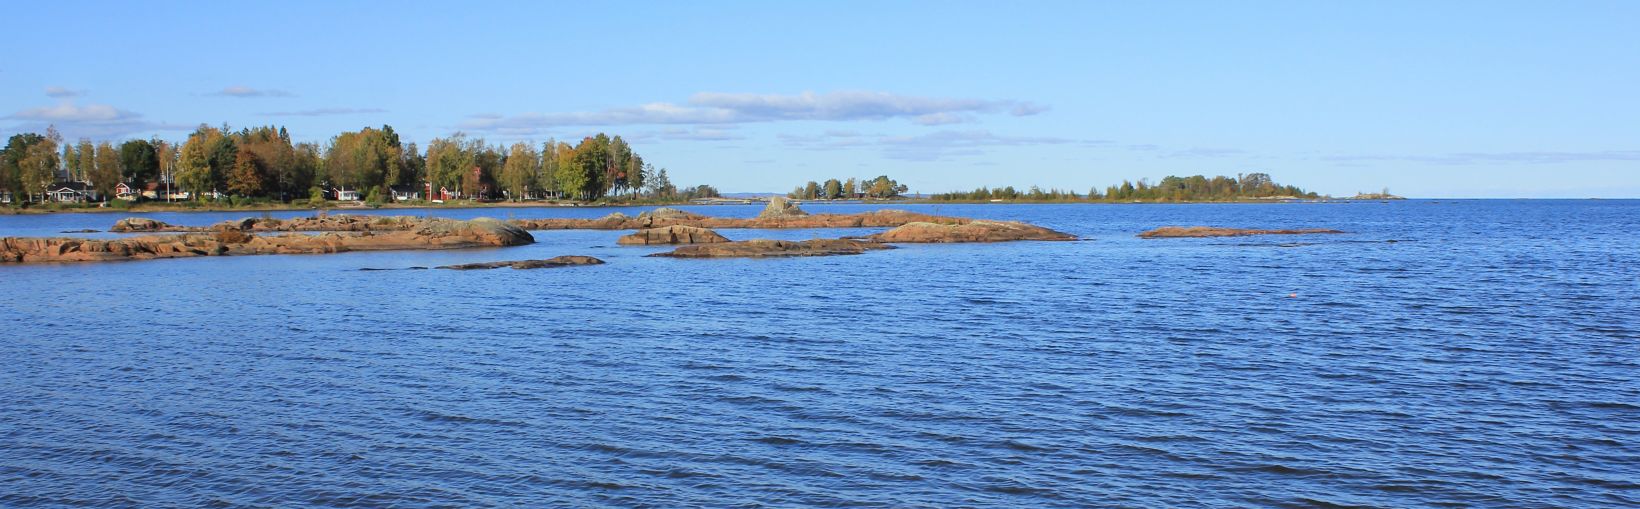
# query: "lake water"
[1488,357]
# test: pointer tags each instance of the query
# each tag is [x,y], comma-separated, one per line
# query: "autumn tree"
[206,157]
[247,176]
[39,166]
[518,174]
[87,154]
[109,171]
[832,189]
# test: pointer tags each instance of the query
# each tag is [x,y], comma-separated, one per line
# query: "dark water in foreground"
[1489,358]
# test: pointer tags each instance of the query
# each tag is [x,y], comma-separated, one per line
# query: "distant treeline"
[833,189]
[263,162]
[1172,188]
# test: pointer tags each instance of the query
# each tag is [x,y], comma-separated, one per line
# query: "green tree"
[139,162]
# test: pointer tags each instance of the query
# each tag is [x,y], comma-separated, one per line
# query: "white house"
[406,192]
[70,192]
[344,194]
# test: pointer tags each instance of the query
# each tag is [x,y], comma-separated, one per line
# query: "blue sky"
[1431,99]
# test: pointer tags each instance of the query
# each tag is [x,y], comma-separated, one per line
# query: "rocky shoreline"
[430,234]
[662,226]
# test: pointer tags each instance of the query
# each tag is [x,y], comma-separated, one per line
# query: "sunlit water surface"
[1488,357]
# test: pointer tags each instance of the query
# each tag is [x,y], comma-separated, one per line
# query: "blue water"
[1489,357]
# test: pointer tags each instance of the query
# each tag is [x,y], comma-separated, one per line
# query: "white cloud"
[68,112]
[248,92]
[90,120]
[735,108]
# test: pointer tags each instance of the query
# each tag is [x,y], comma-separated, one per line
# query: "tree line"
[262,162]
[1171,188]
[832,189]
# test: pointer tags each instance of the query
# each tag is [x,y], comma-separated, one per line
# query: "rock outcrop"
[763,248]
[976,231]
[1213,231]
[675,234]
[556,261]
[433,234]
[780,207]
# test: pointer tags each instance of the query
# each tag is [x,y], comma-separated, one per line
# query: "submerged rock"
[976,231]
[435,234]
[763,248]
[780,207]
[1213,231]
[557,261]
[676,234]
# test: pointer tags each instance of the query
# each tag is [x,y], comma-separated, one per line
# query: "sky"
[1452,99]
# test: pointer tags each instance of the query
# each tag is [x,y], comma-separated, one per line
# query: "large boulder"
[1213,231]
[556,261]
[780,207]
[482,231]
[139,224]
[676,234]
[976,231]
[763,248]
[667,216]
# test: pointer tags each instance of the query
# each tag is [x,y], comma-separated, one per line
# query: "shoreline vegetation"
[261,169]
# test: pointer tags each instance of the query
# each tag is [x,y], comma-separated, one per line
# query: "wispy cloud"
[733,108]
[323,112]
[1201,152]
[1465,158]
[63,93]
[245,92]
[694,134]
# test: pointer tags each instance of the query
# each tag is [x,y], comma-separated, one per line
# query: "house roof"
[405,188]
[71,186]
